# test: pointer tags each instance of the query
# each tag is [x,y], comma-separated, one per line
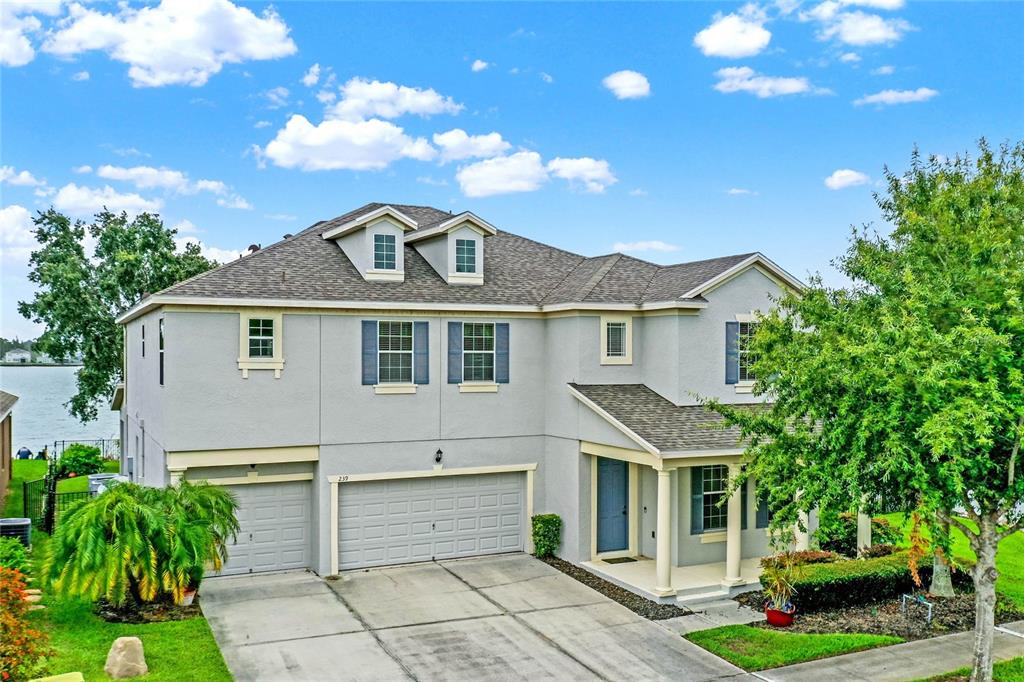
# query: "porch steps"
[696,601]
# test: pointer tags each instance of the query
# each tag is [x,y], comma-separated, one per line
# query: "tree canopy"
[79,295]
[908,384]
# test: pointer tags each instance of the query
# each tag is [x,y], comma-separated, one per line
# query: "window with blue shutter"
[732,352]
[369,352]
[421,352]
[501,352]
[696,500]
[454,352]
[764,516]
[743,513]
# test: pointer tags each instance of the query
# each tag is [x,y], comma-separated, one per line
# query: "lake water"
[40,417]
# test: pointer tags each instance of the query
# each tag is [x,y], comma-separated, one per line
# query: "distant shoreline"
[41,364]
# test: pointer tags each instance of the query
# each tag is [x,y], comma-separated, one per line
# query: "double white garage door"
[380,522]
[420,519]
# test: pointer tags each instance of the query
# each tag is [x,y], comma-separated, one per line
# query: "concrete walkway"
[493,618]
[911,661]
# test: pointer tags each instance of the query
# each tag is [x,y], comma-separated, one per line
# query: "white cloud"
[735,35]
[283,217]
[593,175]
[17,23]
[361,99]
[479,65]
[234,201]
[456,144]
[129,151]
[745,79]
[547,77]
[845,177]
[740,191]
[177,42]
[148,177]
[80,76]
[650,245]
[627,84]
[849,57]
[432,181]
[81,201]
[16,237]
[21,178]
[82,169]
[340,144]
[519,172]
[885,70]
[211,252]
[888,97]
[276,97]
[876,4]
[638,192]
[312,76]
[854,27]
[44,191]
[185,227]
[261,124]
[326,96]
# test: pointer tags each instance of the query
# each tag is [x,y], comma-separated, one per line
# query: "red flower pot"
[777,618]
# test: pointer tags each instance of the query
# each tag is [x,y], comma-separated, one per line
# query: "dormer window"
[465,255]
[384,252]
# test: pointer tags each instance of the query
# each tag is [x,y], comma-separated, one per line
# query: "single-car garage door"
[420,519]
[276,527]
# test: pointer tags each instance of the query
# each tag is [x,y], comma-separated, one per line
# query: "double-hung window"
[465,255]
[161,349]
[394,352]
[478,351]
[716,484]
[384,251]
[746,360]
[615,340]
[261,338]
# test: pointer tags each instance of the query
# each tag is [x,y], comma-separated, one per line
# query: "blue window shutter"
[743,513]
[732,352]
[454,352]
[696,500]
[421,352]
[762,509]
[369,352]
[501,353]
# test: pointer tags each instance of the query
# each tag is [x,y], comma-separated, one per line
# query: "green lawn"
[753,648]
[1005,671]
[1009,559]
[80,484]
[21,470]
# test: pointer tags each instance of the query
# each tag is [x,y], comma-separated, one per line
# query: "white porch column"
[176,475]
[863,531]
[734,524]
[803,537]
[663,560]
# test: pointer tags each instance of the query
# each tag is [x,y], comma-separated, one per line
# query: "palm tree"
[139,542]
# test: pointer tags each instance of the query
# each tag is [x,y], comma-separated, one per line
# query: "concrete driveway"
[493,618]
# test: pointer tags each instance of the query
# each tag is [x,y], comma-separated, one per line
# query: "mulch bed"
[154,612]
[639,605]
[886,618]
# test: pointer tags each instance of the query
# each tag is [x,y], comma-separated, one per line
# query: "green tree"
[908,384]
[79,296]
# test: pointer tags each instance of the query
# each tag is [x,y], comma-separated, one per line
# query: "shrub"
[13,555]
[807,556]
[80,460]
[838,533]
[140,542]
[852,582]
[22,648]
[877,550]
[547,534]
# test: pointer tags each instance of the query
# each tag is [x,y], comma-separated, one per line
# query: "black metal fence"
[110,448]
[45,506]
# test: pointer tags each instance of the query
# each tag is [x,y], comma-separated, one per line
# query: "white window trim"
[475,268]
[373,253]
[382,387]
[626,359]
[752,316]
[712,532]
[484,385]
[276,362]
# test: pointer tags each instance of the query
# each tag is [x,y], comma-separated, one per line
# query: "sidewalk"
[902,662]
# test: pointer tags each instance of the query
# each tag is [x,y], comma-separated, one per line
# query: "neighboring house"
[7,401]
[403,384]
[18,355]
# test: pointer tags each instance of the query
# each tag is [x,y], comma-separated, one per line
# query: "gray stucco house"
[403,384]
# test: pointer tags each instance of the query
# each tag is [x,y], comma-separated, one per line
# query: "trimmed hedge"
[859,581]
[547,534]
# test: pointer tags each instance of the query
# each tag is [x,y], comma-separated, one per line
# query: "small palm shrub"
[139,543]
[80,460]
[22,648]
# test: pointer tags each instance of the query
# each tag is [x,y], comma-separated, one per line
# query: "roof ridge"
[599,275]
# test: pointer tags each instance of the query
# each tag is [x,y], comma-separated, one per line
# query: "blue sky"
[673,131]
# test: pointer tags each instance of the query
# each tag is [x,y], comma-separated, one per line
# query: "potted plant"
[777,579]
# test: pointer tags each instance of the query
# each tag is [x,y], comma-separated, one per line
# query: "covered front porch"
[696,583]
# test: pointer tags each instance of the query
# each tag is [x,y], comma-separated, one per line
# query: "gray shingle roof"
[517,271]
[666,426]
[7,401]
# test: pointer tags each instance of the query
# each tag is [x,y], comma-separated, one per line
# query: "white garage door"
[420,519]
[276,528]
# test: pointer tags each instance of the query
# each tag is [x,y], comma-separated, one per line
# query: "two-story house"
[403,384]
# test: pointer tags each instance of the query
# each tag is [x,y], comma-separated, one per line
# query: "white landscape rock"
[126,659]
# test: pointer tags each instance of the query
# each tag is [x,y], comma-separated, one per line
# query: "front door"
[612,505]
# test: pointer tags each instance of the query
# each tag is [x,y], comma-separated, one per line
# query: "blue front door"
[612,505]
